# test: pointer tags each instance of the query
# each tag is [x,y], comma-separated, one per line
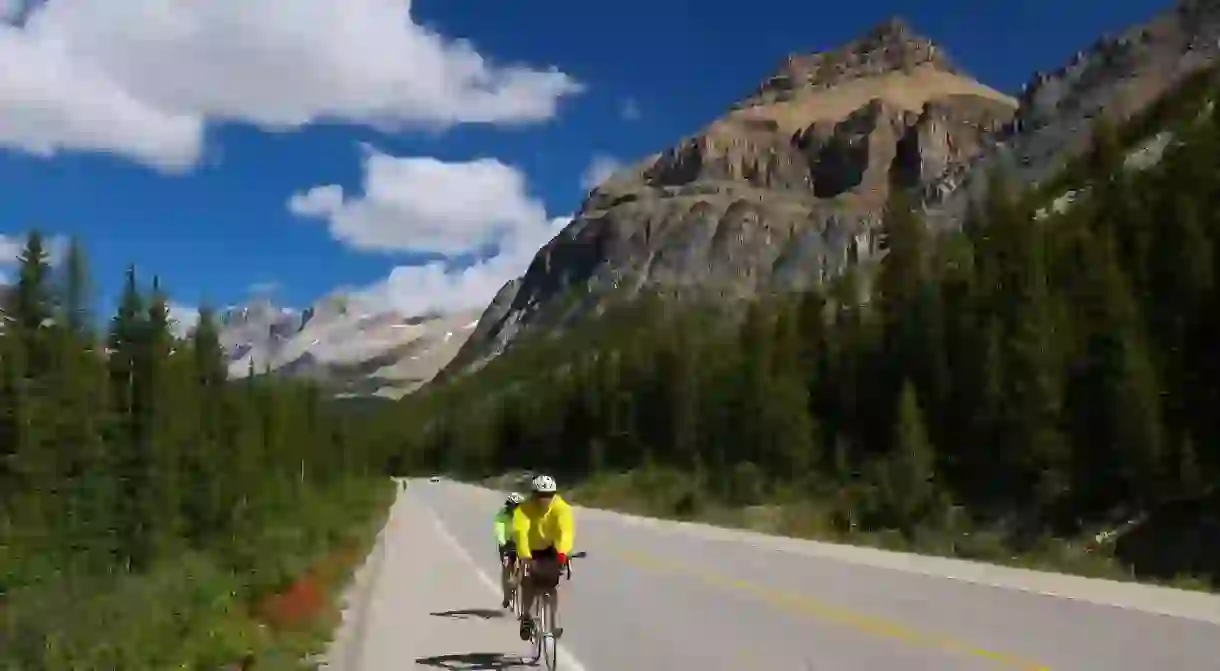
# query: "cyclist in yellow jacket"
[543,529]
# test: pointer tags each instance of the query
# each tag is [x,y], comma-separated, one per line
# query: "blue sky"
[175,135]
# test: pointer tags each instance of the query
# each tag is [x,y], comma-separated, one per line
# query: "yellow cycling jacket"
[537,526]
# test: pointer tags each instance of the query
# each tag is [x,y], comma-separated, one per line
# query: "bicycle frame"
[543,612]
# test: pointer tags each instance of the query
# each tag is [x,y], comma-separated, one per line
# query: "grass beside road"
[672,495]
[265,600]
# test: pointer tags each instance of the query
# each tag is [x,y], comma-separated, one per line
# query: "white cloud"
[143,78]
[425,205]
[421,204]
[599,170]
[433,287]
[183,318]
[10,248]
[629,110]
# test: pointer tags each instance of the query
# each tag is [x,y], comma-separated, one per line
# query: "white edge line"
[568,660]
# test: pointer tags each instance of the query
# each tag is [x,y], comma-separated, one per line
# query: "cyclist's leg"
[554,572]
[527,605]
[505,579]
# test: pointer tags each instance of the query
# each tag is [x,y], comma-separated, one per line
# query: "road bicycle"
[542,637]
[514,588]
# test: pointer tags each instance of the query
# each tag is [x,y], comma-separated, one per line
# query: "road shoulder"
[418,601]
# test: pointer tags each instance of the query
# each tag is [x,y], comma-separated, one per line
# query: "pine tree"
[164,439]
[32,460]
[135,469]
[909,474]
[30,304]
[1115,391]
[77,294]
[80,397]
[1181,269]
[203,461]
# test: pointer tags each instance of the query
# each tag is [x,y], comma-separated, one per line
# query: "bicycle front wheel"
[536,630]
[550,648]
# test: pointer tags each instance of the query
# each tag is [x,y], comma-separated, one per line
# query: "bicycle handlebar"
[568,565]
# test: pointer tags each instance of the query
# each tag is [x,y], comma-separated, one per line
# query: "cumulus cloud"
[143,78]
[183,318]
[599,170]
[451,209]
[443,288]
[10,248]
[425,205]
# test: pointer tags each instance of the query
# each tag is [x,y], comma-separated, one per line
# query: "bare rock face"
[783,191]
[1116,77]
[786,189]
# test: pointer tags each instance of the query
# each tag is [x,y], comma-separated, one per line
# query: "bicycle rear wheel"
[550,647]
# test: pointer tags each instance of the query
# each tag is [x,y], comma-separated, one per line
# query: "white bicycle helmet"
[514,499]
[543,484]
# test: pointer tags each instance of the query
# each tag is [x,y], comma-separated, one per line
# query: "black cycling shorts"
[545,553]
[546,569]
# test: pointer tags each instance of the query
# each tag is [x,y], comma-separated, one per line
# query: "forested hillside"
[154,515]
[985,392]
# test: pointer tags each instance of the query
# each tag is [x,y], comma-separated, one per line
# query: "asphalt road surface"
[660,595]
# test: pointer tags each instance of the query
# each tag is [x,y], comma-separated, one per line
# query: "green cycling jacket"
[502,523]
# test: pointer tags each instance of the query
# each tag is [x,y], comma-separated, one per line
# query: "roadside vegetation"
[1015,391]
[153,514]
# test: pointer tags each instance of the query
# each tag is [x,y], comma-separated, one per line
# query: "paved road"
[656,595]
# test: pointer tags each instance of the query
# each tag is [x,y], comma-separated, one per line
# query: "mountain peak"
[888,47]
[894,28]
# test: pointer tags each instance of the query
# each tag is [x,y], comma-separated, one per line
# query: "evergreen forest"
[154,514]
[1017,386]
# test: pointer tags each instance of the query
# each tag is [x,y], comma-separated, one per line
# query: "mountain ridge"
[810,155]
[349,344]
[785,190]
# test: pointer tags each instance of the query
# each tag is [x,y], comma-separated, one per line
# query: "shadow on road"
[471,661]
[482,613]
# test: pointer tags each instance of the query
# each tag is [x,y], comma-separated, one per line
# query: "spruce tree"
[136,494]
[909,474]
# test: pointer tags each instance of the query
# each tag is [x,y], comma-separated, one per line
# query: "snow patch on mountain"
[346,341]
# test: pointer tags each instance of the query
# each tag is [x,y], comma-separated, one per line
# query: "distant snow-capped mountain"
[347,342]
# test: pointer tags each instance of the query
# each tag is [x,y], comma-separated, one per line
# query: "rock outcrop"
[783,191]
[787,188]
[1117,76]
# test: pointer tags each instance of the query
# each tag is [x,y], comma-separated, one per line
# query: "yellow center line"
[874,626]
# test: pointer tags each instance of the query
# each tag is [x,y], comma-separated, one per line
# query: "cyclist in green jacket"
[503,524]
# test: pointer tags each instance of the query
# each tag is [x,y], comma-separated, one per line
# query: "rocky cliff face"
[1117,76]
[787,188]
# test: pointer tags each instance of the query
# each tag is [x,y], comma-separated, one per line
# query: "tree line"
[127,459]
[1051,371]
